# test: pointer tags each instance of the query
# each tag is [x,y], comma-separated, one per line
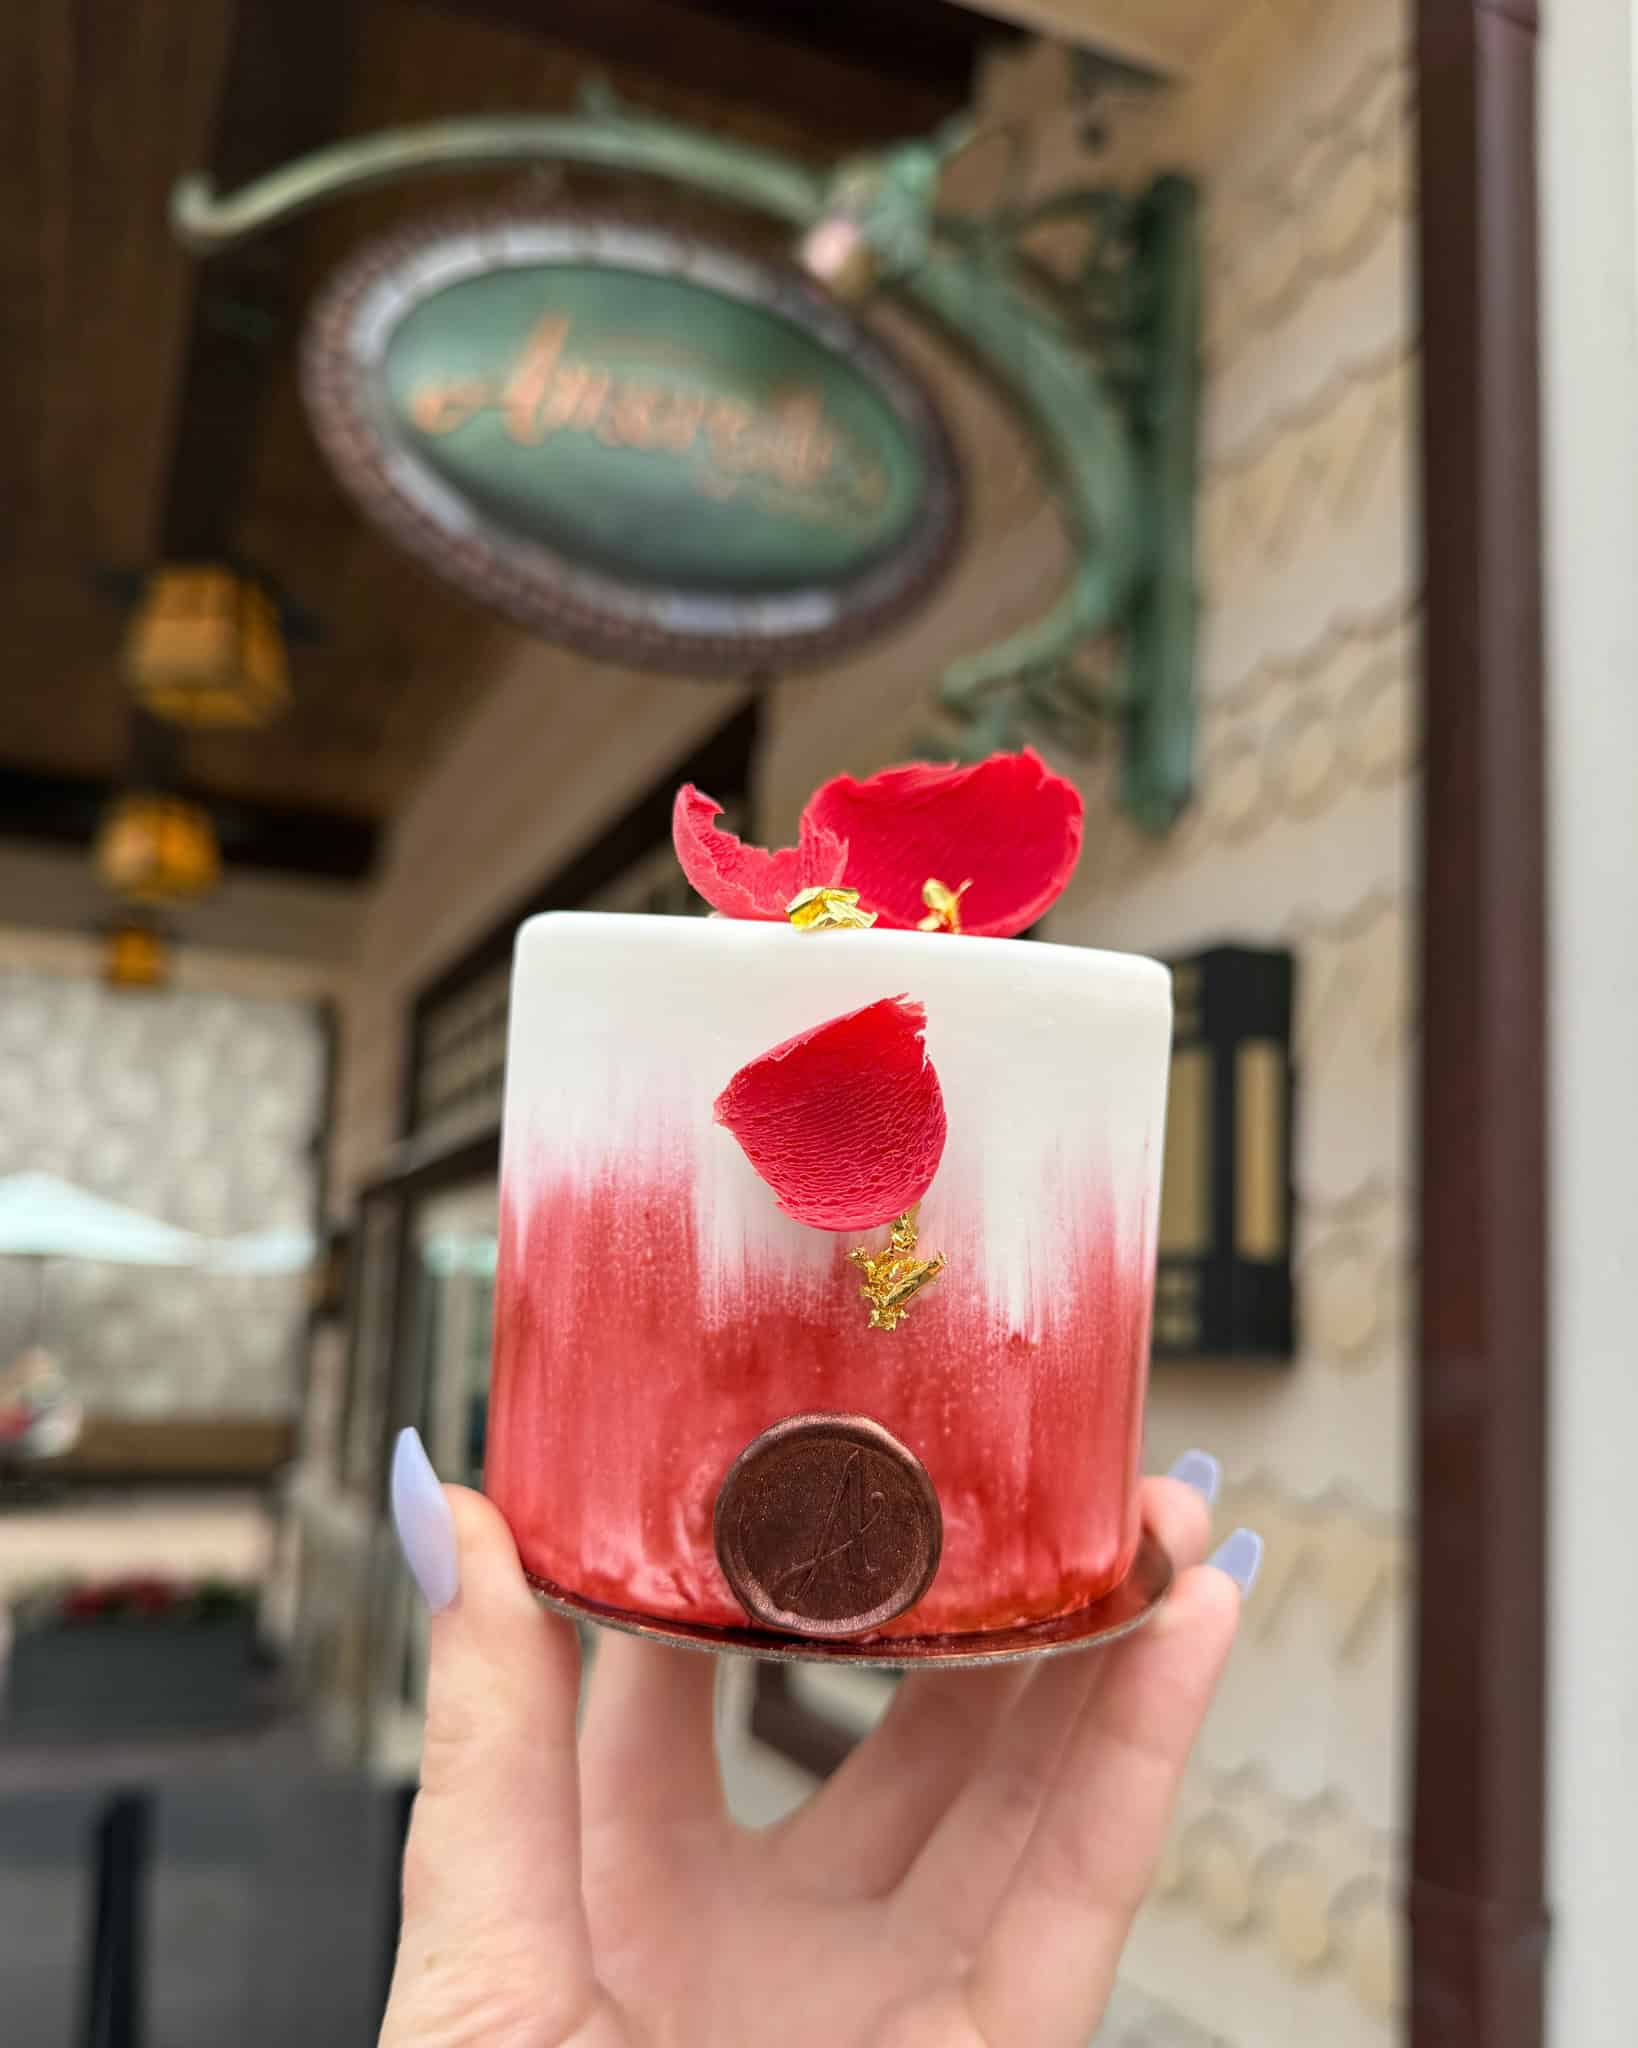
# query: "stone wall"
[1277,1918]
[199,1106]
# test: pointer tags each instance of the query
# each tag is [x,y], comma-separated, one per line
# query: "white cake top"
[1052,1060]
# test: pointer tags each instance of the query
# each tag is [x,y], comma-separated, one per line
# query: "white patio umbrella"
[42,1217]
[263,1251]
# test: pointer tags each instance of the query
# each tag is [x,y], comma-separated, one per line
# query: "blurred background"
[279,775]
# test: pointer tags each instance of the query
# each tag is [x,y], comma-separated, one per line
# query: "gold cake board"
[1126,1606]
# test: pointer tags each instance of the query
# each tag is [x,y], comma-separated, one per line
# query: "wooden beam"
[101,110]
[1166,38]
[1477,1897]
[927,43]
[846,70]
[284,92]
[66,810]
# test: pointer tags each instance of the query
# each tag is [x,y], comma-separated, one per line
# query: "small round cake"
[826,1262]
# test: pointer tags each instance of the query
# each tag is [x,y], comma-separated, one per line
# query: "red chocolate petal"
[844,1122]
[749,881]
[1008,823]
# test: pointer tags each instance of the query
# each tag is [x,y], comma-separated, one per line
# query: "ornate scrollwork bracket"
[1099,354]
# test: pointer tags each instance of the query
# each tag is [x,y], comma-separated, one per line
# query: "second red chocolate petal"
[1008,825]
[845,1122]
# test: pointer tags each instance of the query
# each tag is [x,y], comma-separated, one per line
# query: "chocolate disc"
[827,1526]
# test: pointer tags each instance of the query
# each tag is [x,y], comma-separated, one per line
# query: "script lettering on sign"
[788,449]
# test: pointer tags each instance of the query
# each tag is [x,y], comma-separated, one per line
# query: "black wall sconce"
[1223,1286]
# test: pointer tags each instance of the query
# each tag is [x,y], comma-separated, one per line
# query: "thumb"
[494,1934]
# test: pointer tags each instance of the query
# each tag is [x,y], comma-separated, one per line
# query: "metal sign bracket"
[1100,356]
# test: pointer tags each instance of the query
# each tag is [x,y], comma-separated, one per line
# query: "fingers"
[498,1783]
[648,1746]
[862,1831]
[968,1858]
[1178,1510]
[1045,1967]
[862,1834]
[491,1866]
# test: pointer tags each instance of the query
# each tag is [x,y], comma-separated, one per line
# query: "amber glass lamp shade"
[205,650]
[158,849]
[136,956]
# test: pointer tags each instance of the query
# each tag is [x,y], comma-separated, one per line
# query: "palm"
[965,1880]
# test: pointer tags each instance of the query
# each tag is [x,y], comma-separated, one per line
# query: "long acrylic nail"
[1241,1556]
[1200,1470]
[426,1528]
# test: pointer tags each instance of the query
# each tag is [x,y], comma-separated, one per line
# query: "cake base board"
[1126,1606]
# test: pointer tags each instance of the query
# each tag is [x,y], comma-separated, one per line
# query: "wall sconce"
[1223,1285]
[158,849]
[136,955]
[205,649]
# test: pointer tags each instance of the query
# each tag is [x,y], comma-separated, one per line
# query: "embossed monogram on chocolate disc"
[828,1526]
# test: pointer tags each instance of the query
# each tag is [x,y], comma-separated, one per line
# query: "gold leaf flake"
[943,905]
[894,1276]
[827,910]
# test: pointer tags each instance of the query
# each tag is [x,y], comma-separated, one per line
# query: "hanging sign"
[633,441]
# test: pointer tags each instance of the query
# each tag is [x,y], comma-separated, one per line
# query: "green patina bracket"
[1100,356]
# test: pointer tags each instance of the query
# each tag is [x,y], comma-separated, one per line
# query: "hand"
[966,1880]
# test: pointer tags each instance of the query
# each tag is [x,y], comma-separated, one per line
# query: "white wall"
[1590,293]
[238,971]
[555,751]
[1277,1920]
[308,925]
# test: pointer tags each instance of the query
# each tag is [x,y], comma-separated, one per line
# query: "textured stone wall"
[1277,1918]
[197,1106]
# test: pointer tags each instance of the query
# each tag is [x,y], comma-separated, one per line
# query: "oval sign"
[642,444]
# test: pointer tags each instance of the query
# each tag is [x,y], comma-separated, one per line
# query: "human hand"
[966,1880]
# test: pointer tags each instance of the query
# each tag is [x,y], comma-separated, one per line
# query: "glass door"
[442,1386]
[452,1251]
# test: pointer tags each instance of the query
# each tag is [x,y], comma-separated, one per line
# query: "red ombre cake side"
[657,1311]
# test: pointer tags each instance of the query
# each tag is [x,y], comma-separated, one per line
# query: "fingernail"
[1241,1557]
[426,1528]
[1200,1470]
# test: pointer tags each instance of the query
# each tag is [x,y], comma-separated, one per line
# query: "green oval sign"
[643,444]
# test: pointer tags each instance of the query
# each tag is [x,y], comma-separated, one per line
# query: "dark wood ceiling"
[149,404]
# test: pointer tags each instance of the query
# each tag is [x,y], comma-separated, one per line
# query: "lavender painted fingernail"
[1200,1470]
[1241,1557]
[426,1528]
